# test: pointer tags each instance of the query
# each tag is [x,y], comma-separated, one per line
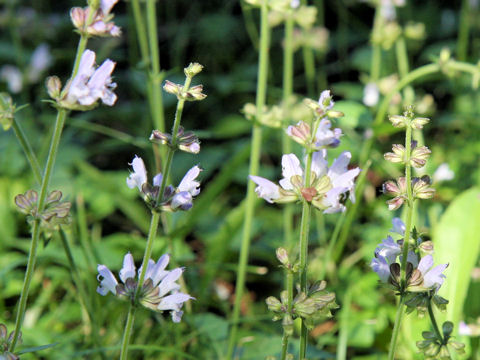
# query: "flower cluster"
[95,21]
[416,156]
[434,347]
[87,87]
[327,188]
[185,141]
[421,275]
[172,199]
[159,291]
[5,342]
[310,306]
[55,213]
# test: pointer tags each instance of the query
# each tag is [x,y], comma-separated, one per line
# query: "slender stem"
[304,231]
[376,61]
[434,322]
[309,64]
[406,239]
[171,150]
[286,336]
[152,232]
[410,201]
[286,142]
[27,149]
[253,170]
[396,328]
[403,67]
[463,31]
[141,32]
[127,332]
[32,255]
[158,115]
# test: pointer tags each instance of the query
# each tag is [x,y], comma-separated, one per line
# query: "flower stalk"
[253,169]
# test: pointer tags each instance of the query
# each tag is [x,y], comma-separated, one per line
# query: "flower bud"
[160,137]
[334,114]
[418,122]
[172,88]
[7,111]
[305,16]
[195,93]
[282,256]
[193,69]
[54,87]
[77,14]
[398,121]
[300,133]
[421,188]
[415,31]
[398,154]
[426,248]
[419,155]
[273,304]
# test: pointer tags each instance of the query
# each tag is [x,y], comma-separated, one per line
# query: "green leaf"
[456,240]
[37,348]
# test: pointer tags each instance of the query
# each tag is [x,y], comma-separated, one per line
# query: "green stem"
[27,149]
[127,332]
[152,232]
[286,99]
[396,328]
[253,170]
[304,231]
[309,64]
[171,150]
[434,321]
[32,255]
[158,115]
[141,32]
[376,61]
[286,336]
[403,67]
[463,31]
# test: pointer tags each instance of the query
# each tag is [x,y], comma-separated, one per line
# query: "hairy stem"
[396,328]
[127,332]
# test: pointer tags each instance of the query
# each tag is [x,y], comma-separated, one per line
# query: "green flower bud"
[398,121]
[282,256]
[273,304]
[54,87]
[193,69]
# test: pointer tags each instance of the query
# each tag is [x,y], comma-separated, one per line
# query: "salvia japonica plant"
[403,261]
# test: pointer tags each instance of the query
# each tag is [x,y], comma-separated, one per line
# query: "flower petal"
[107,281]
[128,269]
[266,189]
[139,175]
[188,182]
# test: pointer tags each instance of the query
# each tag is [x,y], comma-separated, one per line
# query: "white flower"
[443,173]
[371,94]
[139,175]
[160,290]
[90,85]
[431,278]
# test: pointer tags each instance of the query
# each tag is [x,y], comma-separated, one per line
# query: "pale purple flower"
[265,188]
[294,4]
[327,186]
[371,94]
[464,329]
[389,249]
[398,226]
[139,175]
[432,277]
[161,293]
[90,85]
[40,61]
[380,265]
[179,198]
[325,136]
[342,181]
[187,189]
[326,102]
